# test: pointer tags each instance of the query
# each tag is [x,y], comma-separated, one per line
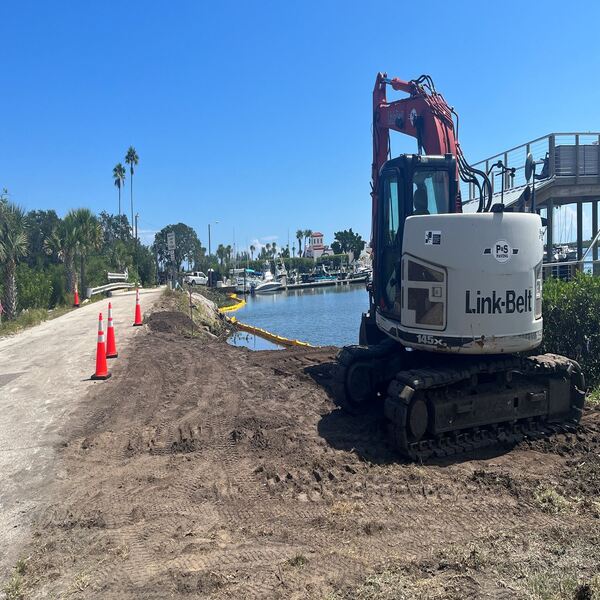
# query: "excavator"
[455,303]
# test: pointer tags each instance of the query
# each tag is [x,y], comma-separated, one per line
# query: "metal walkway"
[569,174]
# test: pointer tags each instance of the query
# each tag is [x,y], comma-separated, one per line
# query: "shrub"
[59,285]
[572,322]
[34,287]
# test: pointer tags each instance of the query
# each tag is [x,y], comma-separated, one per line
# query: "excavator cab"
[410,184]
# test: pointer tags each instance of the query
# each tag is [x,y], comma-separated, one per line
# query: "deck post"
[549,230]
[577,158]
[594,232]
[579,229]
[551,155]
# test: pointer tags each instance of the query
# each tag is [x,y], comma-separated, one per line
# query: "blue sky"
[258,114]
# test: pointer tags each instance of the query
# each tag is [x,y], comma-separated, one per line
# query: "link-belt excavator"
[455,303]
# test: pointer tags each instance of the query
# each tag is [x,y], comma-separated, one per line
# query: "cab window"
[392,212]
[430,192]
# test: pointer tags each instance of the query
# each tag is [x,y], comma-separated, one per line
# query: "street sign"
[172,253]
[171,240]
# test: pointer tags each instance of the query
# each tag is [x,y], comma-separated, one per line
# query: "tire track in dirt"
[206,469]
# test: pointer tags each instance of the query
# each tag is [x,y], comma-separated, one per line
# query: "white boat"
[268,283]
[245,280]
[267,286]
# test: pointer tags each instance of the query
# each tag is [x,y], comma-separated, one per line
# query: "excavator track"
[466,405]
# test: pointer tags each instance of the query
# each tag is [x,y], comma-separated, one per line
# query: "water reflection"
[321,316]
[251,341]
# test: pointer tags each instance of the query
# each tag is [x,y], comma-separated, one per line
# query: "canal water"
[320,316]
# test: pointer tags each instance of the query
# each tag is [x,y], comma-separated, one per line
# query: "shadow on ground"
[366,435]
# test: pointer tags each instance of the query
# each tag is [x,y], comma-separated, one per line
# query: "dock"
[324,283]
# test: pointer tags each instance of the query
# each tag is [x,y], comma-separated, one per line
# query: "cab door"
[391,226]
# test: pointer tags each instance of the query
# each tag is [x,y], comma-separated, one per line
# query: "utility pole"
[209,236]
[135,243]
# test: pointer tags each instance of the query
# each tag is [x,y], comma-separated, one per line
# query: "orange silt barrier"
[111,345]
[101,366]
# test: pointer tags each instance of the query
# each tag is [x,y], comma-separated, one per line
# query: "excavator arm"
[424,116]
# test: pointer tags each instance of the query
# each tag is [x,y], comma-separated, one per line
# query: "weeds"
[593,397]
[343,507]
[29,318]
[550,501]
[553,585]
[388,584]
[13,590]
[297,561]
[21,566]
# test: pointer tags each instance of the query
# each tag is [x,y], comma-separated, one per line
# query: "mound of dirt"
[170,321]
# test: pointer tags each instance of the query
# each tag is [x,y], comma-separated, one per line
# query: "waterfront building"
[316,248]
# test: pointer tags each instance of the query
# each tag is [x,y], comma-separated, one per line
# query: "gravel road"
[44,373]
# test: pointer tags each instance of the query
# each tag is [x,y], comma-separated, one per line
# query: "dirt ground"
[201,470]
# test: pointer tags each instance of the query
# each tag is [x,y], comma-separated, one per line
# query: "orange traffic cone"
[101,367]
[76,299]
[111,346]
[138,310]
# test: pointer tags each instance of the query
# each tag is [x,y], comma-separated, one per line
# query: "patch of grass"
[34,316]
[373,527]
[30,318]
[388,584]
[593,397]
[343,507]
[299,560]
[13,590]
[557,585]
[550,501]
[21,566]
[80,582]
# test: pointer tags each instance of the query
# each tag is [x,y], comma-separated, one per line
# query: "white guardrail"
[120,280]
[117,276]
[109,287]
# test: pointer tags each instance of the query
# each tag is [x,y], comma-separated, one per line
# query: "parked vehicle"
[196,278]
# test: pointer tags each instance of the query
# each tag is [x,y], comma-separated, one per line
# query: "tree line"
[190,254]
[44,258]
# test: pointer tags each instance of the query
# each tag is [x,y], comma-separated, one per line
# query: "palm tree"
[274,249]
[13,247]
[132,159]
[89,236]
[62,243]
[252,251]
[119,177]
[307,234]
[299,236]
[221,253]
